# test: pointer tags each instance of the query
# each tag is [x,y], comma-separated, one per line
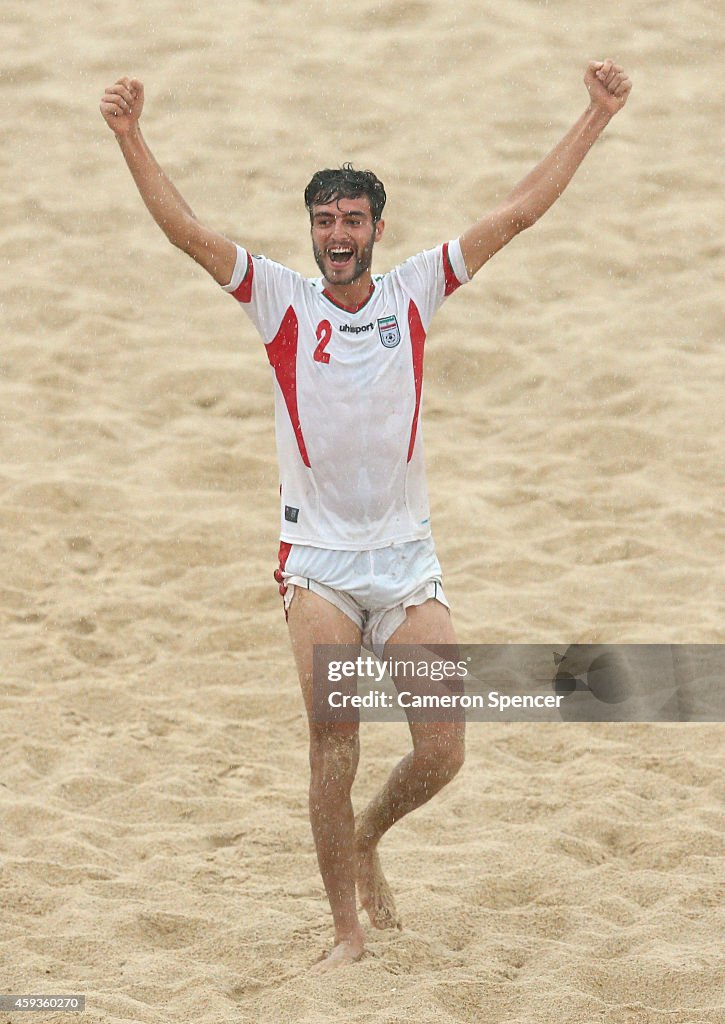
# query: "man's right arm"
[121,108]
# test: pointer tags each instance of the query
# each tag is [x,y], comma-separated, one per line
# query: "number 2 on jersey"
[324,333]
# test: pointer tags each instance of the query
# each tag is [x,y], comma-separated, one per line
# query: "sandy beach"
[155,849]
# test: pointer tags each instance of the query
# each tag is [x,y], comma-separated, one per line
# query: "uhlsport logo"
[389,331]
[360,329]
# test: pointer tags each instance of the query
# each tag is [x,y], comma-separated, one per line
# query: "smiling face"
[343,236]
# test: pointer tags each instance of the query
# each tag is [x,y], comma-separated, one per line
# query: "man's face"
[343,236]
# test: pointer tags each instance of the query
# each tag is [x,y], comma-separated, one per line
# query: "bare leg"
[437,755]
[334,751]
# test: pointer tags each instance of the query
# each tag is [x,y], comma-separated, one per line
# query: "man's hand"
[122,104]
[608,85]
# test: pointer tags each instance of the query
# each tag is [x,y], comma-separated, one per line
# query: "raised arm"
[121,108]
[608,87]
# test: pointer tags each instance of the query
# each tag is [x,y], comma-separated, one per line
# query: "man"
[357,562]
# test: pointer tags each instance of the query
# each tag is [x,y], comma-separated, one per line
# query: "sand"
[155,847]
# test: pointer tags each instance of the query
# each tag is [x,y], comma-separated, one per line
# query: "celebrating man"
[356,560]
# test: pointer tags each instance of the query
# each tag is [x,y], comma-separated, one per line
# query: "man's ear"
[379,228]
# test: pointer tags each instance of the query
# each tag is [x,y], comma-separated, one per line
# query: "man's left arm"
[608,87]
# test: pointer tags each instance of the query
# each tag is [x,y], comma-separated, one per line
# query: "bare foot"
[346,952]
[374,891]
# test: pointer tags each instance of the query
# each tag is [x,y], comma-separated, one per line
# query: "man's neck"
[350,295]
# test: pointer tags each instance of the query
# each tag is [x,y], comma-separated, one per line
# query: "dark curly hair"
[346,183]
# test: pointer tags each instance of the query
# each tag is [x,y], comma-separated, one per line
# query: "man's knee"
[442,754]
[334,754]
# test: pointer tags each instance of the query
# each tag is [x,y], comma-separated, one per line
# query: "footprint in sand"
[83,556]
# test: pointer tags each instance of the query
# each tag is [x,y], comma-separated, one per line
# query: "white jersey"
[348,389]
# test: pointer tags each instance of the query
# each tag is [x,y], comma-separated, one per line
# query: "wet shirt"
[348,386]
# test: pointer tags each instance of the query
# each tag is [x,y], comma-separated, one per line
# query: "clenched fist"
[122,104]
[608,85]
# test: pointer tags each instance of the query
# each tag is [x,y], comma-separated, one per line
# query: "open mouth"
[340,256]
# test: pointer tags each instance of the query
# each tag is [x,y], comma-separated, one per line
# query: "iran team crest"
[389,331]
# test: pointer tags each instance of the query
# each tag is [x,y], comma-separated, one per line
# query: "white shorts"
[373,588]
